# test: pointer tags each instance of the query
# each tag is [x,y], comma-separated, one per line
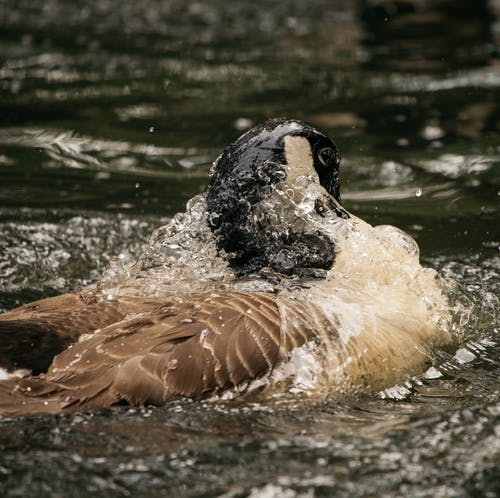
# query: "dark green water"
[110,115]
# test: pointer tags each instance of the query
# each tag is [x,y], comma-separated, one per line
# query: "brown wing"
[33,334]
[206,345]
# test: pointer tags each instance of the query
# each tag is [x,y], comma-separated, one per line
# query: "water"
[110,116]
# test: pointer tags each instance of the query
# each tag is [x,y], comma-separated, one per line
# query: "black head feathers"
[247,172]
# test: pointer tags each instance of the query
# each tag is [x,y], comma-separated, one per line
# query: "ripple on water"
[69,149]
[98,68]
[48,257]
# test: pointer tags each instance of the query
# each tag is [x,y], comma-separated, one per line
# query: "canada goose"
[265,281]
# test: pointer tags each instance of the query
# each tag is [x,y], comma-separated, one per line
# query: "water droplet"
[243,123]
[137,185]
[151,129]
[432,132]
[418,192]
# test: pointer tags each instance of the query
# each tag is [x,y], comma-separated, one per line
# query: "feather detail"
[207,344]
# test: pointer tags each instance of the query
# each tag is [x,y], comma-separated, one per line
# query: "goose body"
[266,282]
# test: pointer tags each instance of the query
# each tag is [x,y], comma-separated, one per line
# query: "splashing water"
[382,313]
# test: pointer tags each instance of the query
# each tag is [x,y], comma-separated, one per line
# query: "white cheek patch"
[298,155]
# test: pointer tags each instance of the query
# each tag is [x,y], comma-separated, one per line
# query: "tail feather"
[37,395]
[29,396]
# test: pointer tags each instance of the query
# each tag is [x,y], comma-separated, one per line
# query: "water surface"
[110,116]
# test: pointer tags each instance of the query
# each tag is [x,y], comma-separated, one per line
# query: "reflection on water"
[110,115]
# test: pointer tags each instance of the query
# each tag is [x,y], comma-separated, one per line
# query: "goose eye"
[327,156]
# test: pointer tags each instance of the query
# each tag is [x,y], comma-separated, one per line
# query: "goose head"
[269,166]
